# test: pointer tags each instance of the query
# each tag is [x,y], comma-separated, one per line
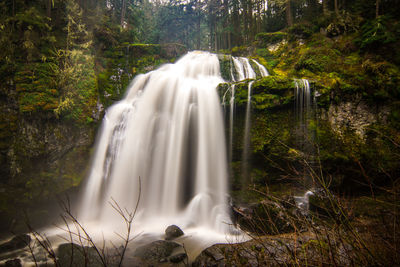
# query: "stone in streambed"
[156,251]
[178,258]
[173,232]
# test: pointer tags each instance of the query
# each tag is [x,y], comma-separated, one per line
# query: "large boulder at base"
[173,232]
[161,253]
[18,242]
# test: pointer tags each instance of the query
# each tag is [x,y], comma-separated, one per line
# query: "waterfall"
[246,137]
[243,71]
[247,125]
[167,138]
[261,68]
[302,99]
[231,117]
[303,114]
[303,107]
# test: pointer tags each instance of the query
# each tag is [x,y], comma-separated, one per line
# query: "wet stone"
[173,232]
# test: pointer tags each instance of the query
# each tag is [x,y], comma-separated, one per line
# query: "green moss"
[37,87]
[239,51]
[269,38]
[272,91]
[317,59]
[276,84]
[302,31]
[225,67]
[139,50]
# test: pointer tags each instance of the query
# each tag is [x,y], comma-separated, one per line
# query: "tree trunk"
[258,17]
[250,20]
[377,8]
[198,31]
[336,8]
[289,16]
[48,7]
[123,12]
[325,8]
[236,24]
[229,40]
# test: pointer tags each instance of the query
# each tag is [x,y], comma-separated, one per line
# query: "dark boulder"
[321,203]
[18,242]
[173,232]
[13,263]
[180,257]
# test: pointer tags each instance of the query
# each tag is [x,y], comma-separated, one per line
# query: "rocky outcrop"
[355,116]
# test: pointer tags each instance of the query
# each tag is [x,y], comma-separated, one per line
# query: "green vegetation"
[266,38]
[63,61]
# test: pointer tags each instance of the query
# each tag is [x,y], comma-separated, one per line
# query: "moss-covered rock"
[272,91]
[116,67]
[225,66]
[300,31]
[265,39]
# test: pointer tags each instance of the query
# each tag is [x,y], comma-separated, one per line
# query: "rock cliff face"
[40,156]
[356,116]
[41,145]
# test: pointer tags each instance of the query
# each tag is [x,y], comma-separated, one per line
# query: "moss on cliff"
[363,150]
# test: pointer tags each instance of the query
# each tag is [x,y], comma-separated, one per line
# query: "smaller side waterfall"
[302,96]
[246,137]
[304,112]
[261,68]
[241,70]
[231,111]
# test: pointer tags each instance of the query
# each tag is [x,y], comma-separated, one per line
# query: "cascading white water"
[304,137]
[302,98]
[262,69]
[246,138]
[168,130]
[303,105]
[231,112]
[243,71]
